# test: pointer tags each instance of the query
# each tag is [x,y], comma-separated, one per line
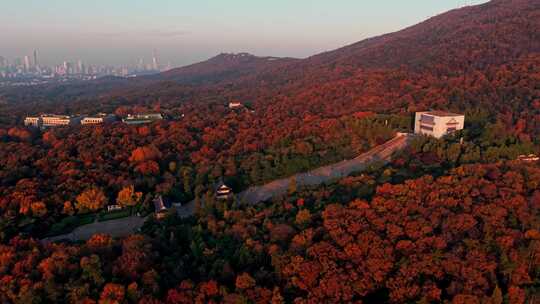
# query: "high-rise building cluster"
[28,70]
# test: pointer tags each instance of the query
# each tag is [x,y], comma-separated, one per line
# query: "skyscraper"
[36,63]
[66,66]
[3,62]
[26,63]
[80,67]
[155,63]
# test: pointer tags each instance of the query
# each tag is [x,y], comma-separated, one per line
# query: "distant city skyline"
[121,32]
[31,59]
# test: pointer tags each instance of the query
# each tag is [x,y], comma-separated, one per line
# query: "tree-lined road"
[255,194]
[258,194]
[383,153]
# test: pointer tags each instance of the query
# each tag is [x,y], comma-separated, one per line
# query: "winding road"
[383,153]
[256,194]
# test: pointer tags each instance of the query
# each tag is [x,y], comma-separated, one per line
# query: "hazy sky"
[182,31]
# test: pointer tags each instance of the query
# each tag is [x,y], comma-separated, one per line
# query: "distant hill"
[485,56]
[475,37]
[465,39]
[222,67]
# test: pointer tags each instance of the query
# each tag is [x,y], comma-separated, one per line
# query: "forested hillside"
[469,236]
[224,67]
[480,57]
[452,220]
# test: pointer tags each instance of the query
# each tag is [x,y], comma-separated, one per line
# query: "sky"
[118,32]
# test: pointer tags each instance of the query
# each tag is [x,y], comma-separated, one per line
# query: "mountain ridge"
[384,73]
[462,39]
[222,67]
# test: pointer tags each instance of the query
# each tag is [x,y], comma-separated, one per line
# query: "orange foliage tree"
[128,197]
[91,200]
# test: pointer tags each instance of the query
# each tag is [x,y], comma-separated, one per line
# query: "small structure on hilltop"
[223,192]
[528,158]
[235,105]
[101,118]
[438,123]
[138,119]
[160,208]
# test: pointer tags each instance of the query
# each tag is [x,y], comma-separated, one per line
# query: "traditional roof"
[452,122]
[223,191]
[221,185]
[159,204]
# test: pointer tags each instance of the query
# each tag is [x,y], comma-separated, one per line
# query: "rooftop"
[442,113]
[99,115]
[56,116]
[145,116]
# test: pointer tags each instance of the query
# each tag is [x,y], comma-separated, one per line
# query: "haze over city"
[284,151]
[185,32]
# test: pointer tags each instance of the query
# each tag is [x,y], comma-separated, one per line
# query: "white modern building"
[60,120]
[138,119]
[33,121]
[235,105]
[529,158]
[51,120]
[98,119]
[438,123]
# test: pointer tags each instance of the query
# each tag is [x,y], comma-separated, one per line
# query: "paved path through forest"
[258,194]
[115,228]
[253,195]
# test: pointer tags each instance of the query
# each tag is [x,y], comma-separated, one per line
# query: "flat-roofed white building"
[59,120]
[235,105]
[33,121]
[142,118]
[98,119]
[438,123]
[529,158]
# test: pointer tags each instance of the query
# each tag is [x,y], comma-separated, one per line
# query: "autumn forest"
[450,220]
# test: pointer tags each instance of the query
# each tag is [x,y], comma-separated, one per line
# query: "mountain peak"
[225,66]
[236,55]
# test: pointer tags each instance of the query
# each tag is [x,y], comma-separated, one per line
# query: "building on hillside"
[438,123]
[33,121]
[112,208]
[138,119]
[235,105]
[223,192]
[160,207]
[53,120]
[98,119]
[529,158]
